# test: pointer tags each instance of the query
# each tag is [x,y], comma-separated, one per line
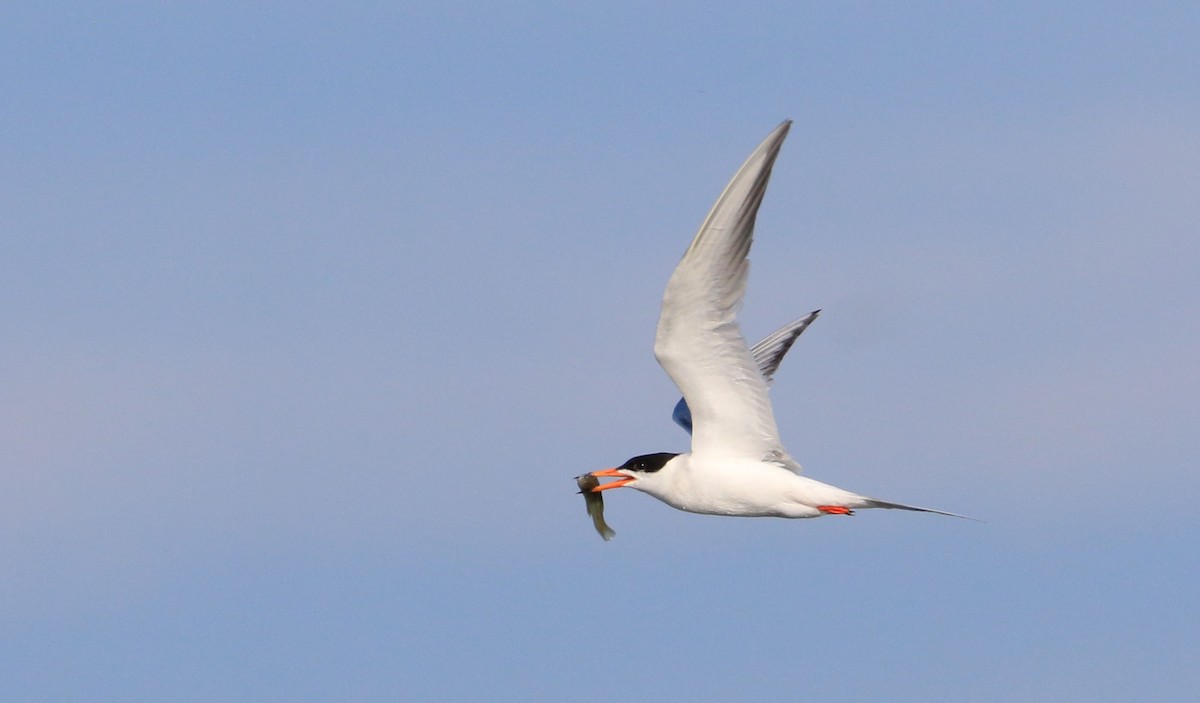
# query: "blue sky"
[312,312]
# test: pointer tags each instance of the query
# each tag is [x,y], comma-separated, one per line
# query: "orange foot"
[835,510]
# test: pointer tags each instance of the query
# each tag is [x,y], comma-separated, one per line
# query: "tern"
[738,465]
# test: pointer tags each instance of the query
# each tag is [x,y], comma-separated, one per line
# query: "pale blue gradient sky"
[311,313]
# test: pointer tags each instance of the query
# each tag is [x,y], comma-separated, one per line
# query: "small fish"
[595,504]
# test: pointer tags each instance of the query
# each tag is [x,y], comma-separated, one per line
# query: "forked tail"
[873,503]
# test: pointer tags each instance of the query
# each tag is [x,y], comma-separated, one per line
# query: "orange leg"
[835,510]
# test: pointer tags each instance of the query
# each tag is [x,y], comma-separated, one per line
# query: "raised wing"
[768,354]
[699,343]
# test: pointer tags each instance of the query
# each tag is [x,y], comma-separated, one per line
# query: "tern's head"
[642,470]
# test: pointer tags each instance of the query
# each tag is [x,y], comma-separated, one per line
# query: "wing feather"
[768,354]
[699,343]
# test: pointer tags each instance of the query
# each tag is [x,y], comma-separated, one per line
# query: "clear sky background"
[311,312]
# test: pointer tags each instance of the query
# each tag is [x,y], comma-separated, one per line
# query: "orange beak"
[615,484]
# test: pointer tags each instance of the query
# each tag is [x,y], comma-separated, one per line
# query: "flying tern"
[738,465]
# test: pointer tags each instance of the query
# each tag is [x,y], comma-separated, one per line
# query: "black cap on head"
[648,463]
